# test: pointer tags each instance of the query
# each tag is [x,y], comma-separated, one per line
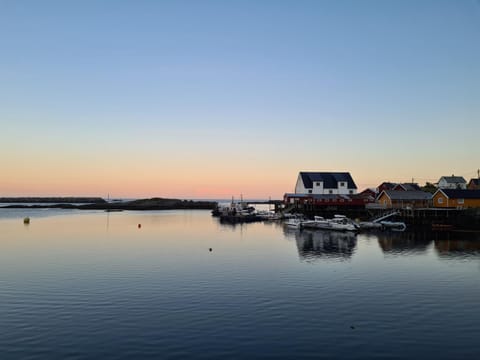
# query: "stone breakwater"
[141,204]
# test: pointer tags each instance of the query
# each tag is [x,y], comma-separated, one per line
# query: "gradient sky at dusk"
[208,99]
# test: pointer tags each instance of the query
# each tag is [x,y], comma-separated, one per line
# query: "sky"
[213,99]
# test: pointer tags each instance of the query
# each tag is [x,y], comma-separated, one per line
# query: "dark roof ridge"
[330,179]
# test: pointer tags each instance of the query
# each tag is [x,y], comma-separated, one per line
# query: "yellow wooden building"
[400,199]
[456,198]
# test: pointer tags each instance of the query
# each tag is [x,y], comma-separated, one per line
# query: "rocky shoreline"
[101,204]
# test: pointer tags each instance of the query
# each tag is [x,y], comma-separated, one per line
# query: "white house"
[325,183]
[452,182]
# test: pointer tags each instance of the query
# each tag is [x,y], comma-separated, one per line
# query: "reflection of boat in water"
[338,223]
[313,245]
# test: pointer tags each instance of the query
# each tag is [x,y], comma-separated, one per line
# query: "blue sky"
[234,96]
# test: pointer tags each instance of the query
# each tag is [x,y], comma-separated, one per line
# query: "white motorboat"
[269,215]
[296,223]
[342,223]
[338,223]
[318,222]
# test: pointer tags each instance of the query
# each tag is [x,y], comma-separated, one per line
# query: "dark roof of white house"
[330,179]
[475,181]
[454,179]
[461,193]
[407,195]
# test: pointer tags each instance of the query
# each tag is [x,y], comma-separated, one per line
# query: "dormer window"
[343,183]
[317,184]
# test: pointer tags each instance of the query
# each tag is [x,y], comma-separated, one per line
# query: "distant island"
[52,200]
[92,203]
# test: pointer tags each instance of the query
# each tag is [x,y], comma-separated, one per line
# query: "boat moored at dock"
[338,223]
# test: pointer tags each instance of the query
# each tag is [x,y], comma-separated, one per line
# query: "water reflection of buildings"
[446,244]
[458,245]
[404,243]
[318,244]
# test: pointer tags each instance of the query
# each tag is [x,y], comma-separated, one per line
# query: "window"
[310,191]
[330,191]
[440,200]
[351,191]
[342,183]
[317,184]
[460,201]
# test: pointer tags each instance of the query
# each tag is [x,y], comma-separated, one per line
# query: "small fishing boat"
[369,225]
[237,212]
[394,225]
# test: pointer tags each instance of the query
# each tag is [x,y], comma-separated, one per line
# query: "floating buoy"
[139,226]
[26,220]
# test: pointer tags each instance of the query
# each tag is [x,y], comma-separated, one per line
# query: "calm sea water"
[94,285]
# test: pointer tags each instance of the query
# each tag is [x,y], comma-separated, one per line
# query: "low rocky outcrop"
[141,204]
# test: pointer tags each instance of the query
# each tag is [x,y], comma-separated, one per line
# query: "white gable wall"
[299,188]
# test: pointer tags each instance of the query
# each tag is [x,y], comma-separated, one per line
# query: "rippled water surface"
[95,285]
